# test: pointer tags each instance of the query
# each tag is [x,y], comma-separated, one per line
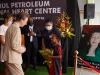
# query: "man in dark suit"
[31,42]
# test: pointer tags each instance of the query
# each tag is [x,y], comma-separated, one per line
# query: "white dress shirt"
[31,29]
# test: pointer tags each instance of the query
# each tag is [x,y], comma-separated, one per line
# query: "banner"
[38,9]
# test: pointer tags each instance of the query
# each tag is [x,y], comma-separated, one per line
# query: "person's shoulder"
[14,27]
[56,29]
[43,30]
[59,46]
[2,26]
[26,26]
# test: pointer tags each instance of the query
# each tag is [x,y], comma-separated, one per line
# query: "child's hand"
[48,57]
[46,49]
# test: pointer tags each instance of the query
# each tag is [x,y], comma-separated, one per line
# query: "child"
[55,66]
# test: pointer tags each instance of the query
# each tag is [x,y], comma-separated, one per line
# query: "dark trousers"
[31,53]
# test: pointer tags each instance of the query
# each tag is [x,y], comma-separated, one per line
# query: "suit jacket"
[25,31]
[13,42]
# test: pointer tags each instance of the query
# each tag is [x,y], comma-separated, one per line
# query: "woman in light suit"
[13,49]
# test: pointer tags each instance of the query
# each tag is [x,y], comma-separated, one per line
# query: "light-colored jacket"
[13,42]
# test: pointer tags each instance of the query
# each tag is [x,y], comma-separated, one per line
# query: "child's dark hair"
[58,35]
[48,20]
[21,15]
[7,15]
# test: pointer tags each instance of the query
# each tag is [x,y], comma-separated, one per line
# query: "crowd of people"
[11,48]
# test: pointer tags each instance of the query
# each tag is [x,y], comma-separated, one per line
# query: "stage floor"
[42,71]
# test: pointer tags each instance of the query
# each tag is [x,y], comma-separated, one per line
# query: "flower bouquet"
[45,53]
[64,25]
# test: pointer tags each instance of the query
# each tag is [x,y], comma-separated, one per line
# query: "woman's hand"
[23,49]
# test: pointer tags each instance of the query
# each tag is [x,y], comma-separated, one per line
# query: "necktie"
[31,37]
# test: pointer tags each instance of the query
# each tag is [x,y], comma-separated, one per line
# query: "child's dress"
[56,65]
